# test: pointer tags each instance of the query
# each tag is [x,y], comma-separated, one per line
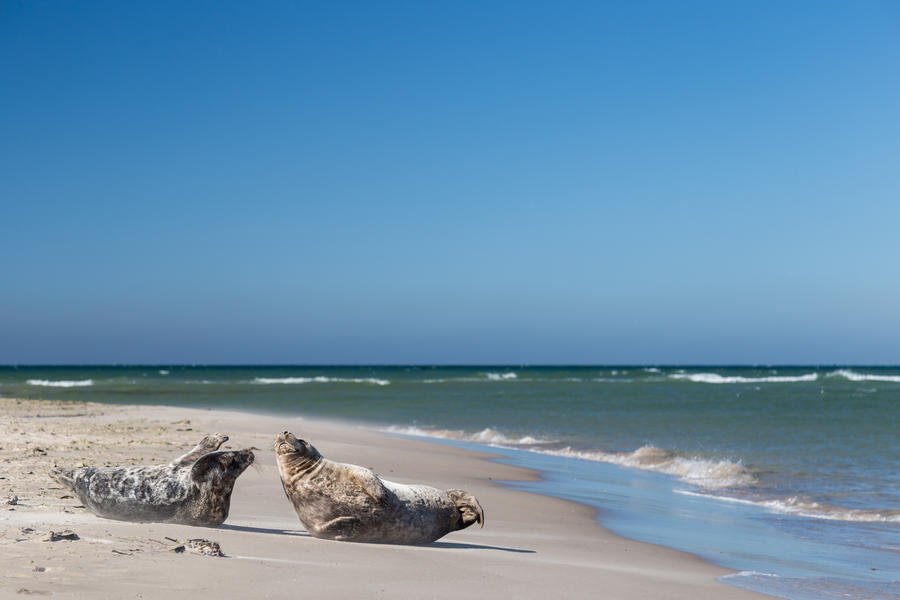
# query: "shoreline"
[532,545]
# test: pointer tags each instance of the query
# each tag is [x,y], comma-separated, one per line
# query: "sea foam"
[61,383]
[804,507]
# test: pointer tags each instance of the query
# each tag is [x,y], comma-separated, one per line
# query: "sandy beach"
[531,546]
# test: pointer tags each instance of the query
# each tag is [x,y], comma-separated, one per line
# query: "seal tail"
[470,510]
[65,477]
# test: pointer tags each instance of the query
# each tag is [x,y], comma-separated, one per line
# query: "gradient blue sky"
[459,182]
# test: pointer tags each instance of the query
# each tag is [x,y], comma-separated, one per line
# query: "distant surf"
[852,376]
[719,379]
[502,376]
[716,378]
[319,379]
[61,383]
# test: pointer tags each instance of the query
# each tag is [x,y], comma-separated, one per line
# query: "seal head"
[213,477]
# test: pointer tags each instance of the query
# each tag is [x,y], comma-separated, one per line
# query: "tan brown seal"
[345,502]
[194,489]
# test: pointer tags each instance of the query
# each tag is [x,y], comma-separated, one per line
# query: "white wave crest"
[320,379]
[716,378]
[847,374]
[707,473]
[502,376]
[505,377]
[163,372]
[61,383]
[803,507]
[488,436]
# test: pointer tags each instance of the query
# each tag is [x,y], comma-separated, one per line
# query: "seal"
[344,502]
[194,489]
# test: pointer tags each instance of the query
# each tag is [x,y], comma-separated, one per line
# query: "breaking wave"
[487,436]
[502,376]
[510,376]
[706,473]
[852,376]
[61,383]
[716,378]
[320,379]
[804,507]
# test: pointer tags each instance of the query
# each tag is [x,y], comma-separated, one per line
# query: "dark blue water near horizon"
[786,474]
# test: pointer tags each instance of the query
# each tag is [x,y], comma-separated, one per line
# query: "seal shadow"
[457,545]
[448,545]
[292,532]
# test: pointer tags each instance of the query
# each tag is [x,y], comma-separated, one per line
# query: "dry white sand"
[531,546]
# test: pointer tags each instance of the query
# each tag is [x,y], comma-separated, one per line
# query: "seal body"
[345,502]
[194,489]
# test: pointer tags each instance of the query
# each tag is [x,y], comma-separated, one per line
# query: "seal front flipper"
[341,528]
[65,477]
[470,510]
[371,485]
[208,444]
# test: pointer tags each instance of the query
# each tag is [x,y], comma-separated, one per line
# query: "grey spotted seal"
[194,489]
[345,502]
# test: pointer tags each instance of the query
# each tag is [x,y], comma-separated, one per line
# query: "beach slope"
[531,546]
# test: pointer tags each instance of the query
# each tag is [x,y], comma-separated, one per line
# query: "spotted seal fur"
[345,502]
[194,489]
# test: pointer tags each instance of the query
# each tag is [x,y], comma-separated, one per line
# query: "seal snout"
[285,442]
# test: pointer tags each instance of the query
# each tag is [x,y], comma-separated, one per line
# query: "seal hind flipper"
[470,510]
[65,477]
[340,528]
[208,444]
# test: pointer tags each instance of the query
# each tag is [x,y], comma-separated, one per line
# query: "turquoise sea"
[788,475]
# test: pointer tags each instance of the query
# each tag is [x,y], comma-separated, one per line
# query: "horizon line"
[458,365]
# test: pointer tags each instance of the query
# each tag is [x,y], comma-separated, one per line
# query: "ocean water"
[788,475]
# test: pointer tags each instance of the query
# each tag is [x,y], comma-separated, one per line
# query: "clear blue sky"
[457,182]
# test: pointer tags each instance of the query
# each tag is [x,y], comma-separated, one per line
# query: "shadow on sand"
[294,532]
[448,545]
[477,547]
